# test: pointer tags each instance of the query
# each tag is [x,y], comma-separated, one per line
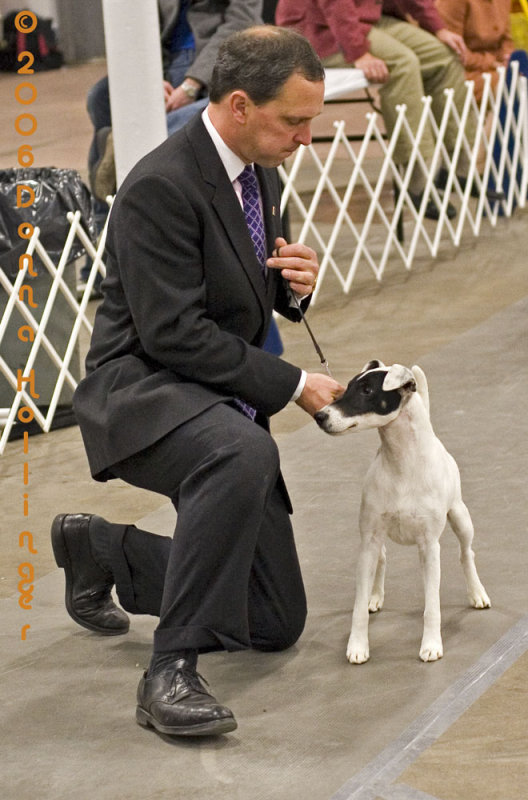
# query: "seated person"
[486,32]
[485,28]
[408,60]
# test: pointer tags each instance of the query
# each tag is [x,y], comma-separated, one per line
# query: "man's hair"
[259,61]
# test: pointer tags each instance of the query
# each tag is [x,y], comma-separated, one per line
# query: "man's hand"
[319,390]
[175,97]
[167,91]
[454,41]
[298,265]
[374,69]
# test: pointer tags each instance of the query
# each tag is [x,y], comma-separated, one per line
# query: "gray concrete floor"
[310,725]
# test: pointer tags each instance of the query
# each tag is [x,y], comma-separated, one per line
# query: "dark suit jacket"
[185,306]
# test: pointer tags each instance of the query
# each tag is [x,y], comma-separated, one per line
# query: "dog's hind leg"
[378,590]
[460,520]
[431,647]
[358,643]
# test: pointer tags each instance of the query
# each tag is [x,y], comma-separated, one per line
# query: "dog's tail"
[421,386]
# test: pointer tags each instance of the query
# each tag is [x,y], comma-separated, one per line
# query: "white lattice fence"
[18,316]
[374,232]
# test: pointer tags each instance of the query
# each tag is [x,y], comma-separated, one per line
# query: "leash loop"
[324,361]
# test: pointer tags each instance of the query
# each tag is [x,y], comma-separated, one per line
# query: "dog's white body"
[410,490]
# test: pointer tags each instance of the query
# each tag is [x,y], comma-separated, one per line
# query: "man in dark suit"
[178,389]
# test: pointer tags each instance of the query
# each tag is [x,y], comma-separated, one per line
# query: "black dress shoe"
[492,195]
[88,586]
[432,211]
[174,701]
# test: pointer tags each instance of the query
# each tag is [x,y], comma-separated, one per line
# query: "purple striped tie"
[252,212]
[255,223]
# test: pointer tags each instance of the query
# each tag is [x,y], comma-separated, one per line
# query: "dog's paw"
[479,598]
[376,603]
[431,650]
[357,652]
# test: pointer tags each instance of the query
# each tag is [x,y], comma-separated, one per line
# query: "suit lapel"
[231,215]
[227,207]
[272,220]
[230,212]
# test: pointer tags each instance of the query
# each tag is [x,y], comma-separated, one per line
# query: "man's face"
[274,131]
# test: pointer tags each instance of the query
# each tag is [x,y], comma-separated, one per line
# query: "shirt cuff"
[293,296]
[300,386]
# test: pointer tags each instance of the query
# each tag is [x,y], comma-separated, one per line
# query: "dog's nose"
[320,417]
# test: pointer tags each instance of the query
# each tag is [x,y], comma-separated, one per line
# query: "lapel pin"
[273,211]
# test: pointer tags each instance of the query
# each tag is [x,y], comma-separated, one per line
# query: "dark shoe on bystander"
[432,211]
[492,195]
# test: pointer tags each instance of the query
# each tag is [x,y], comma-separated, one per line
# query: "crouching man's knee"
[282,635]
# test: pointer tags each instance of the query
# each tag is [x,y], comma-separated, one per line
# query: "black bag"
[41,43]
[56,191]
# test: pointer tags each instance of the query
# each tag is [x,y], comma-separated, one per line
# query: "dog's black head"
[372,399]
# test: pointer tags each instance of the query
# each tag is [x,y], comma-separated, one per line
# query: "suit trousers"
[419,65]
[229,578]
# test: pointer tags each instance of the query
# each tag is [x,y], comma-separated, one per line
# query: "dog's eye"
[366,389]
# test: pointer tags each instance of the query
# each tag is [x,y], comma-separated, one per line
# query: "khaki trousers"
[419,65]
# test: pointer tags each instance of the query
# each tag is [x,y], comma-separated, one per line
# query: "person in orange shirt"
[485,28]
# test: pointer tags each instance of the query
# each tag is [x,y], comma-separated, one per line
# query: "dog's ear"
[375,364]
[421,385]
[399,377]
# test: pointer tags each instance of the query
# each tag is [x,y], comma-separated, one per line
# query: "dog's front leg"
[358,644]
[431,648]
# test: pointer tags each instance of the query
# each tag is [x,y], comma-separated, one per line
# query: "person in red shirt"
[403,46]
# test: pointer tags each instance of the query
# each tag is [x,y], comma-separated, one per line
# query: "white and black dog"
[410,489]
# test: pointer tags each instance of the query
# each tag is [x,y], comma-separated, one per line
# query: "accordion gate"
[501,145]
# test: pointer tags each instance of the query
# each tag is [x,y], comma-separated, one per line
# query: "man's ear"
[238,103]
